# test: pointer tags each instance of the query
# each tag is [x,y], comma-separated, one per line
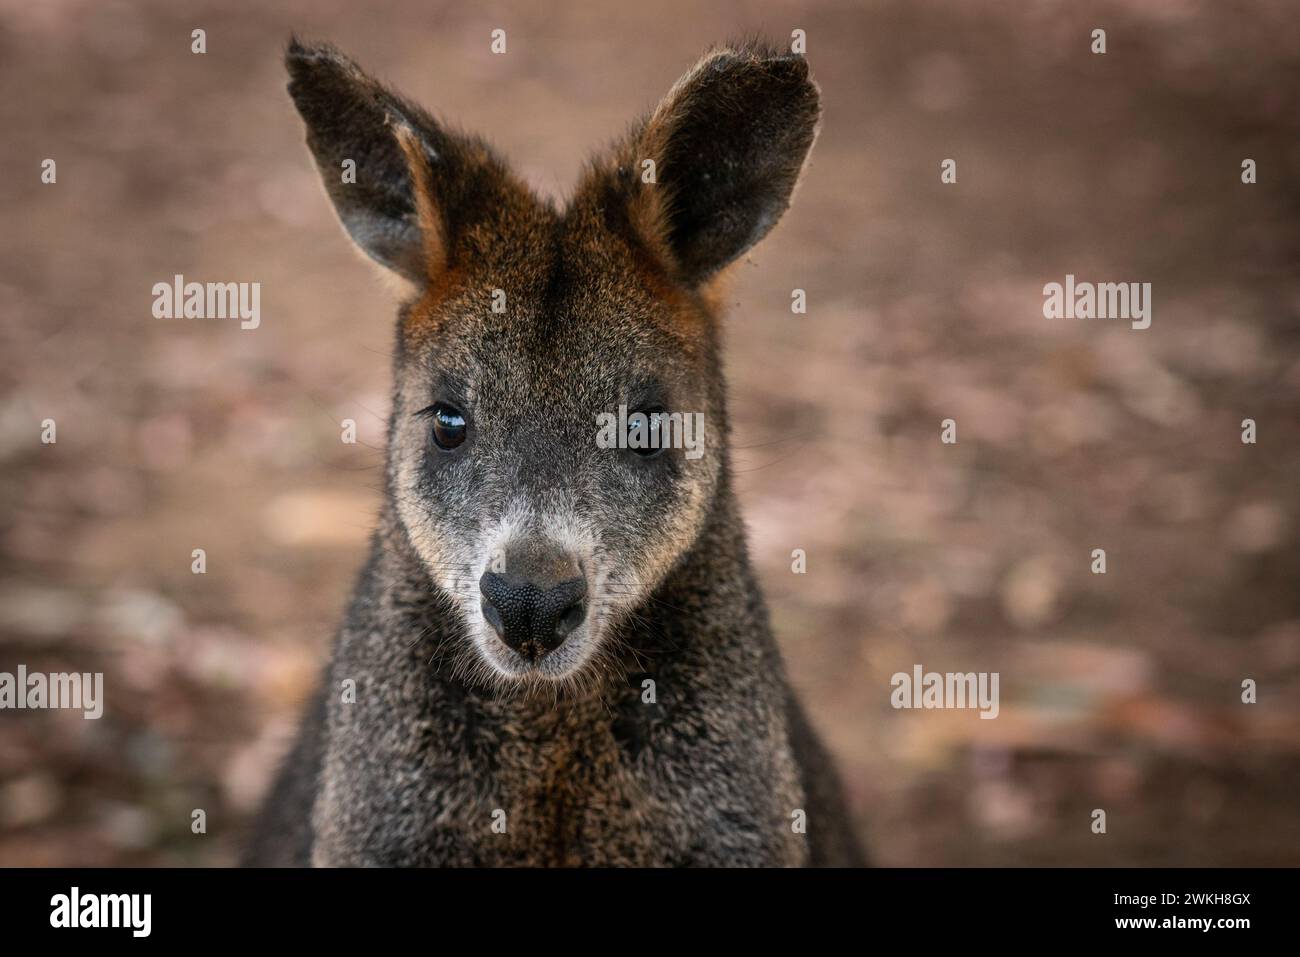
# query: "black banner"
[980,906]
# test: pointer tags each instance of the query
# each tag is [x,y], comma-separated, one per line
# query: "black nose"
[533,617]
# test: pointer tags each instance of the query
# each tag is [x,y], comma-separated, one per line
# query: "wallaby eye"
[448,426]
[649,444]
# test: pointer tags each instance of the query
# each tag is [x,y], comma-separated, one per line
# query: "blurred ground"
[1118,691]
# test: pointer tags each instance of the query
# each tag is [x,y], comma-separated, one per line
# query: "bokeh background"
[1119,691]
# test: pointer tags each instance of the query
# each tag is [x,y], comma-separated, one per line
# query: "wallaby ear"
[411,185]
[728,143]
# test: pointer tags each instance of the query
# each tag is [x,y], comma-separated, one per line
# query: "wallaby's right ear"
[727,145]
[410,186]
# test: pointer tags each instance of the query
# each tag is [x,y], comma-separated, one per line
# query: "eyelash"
[428,411]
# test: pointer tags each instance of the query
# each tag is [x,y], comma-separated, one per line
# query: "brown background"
[1118,691]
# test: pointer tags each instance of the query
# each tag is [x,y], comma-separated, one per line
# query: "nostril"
[572,618]
[493,586]
[493,617]
[569,599]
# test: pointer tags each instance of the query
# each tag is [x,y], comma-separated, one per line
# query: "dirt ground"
[1119,691]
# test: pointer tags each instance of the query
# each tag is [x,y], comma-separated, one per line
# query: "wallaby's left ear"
[728,143]
[417,189]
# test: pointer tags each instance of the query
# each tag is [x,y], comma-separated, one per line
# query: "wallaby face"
[529,323]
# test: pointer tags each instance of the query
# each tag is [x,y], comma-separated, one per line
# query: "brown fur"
[613,299]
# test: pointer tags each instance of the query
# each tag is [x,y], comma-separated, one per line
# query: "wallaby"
[558,653]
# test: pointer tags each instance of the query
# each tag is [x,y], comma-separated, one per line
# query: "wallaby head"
[531,326]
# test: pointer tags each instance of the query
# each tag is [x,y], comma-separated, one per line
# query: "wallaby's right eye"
[649,438]
[448,426]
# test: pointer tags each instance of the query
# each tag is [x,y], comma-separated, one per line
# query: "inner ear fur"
[728,142]
[420,188]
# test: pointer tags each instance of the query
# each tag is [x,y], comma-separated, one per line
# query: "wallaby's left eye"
[448,426]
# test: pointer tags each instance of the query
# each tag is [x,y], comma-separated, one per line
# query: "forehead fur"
[565,275]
